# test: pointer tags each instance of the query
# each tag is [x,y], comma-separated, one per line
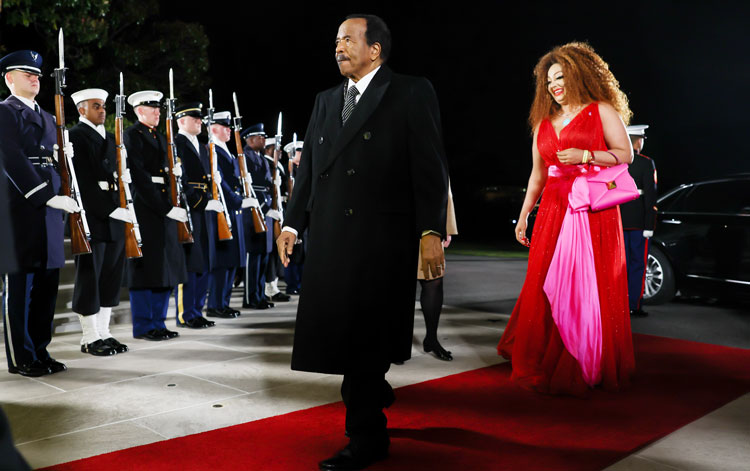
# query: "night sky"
[684,66]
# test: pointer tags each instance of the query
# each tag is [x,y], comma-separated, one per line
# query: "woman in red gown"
[578,118]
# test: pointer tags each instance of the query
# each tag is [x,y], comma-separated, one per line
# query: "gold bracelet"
[585,157]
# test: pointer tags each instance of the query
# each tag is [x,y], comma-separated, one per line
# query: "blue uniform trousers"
[636,252]
[149,309]
[255,277]
[220,281]
[190,297]
[293,277]
[28,309]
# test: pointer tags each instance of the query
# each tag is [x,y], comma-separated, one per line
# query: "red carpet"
[477,420]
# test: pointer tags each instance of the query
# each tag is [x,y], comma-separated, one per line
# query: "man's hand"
[121,214]
[217,177]
[285,244]
[126,176]
[64,203]
[215,206]
[433,258]
[178,214]
[177,170]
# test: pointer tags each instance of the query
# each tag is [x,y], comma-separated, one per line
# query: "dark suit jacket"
[196,179]
[37,228]
[163,261]
[365,192]
[640,214]
[96,161]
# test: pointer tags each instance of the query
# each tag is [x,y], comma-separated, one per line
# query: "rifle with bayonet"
[223,219]
[133,241]
[79,227]
[259,225]
[184,230]
[276,201]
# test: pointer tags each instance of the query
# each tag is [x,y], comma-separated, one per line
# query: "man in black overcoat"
[99,274]
[372,182]
[152,277]
[639,219]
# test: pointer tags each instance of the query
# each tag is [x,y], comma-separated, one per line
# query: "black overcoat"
[365,192]
[196,170]
[163,261]
[640,214]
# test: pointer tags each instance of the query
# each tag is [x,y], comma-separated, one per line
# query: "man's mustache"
[341,57]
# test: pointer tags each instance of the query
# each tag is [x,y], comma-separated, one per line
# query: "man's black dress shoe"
[638,313]
[205,321]
[119,347]
[437,350]
[153,335]
[234,312]
[98,348]
[54,365]
[281,297]
[263,304]
[168,334]
[354,458]
[292,291]
[268,301]
[34,369]
[194,323]
[219,313]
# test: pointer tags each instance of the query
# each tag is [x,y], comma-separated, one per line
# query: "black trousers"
[99,277]
[28,310]
[365,393]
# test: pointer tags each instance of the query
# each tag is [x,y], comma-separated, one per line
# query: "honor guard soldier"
[28,138]
[639,219]
[190,297]
[98,274]
[258,245]
[229,254]
[152,277]
[274,268]
[293,271]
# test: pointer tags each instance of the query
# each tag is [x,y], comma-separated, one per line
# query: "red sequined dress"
[531,339]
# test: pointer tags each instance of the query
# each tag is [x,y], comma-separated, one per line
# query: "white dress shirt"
[100,128]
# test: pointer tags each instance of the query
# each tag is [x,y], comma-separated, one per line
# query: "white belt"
[158,180]
[104,185]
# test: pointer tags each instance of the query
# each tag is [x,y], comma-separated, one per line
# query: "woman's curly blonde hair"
[587,79]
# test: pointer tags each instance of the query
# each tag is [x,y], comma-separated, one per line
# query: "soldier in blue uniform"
[152,277]
[274,268]
[639,219]
[258,245]
[190,297]
[27,138]
[229,254]
[98,274]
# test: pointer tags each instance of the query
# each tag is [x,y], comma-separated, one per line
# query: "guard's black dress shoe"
[638,313]
[437,350]
[34,369]
[194,323]
[54,365]
[268,301]
[168,334]
[292,291]
[119,347]
[205,321]
[153,334]
[234,312]
[219,313]
[281,297]
[354,458]
[262,304]
[98,348]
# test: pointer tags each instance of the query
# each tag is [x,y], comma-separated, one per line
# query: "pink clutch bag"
[611,186]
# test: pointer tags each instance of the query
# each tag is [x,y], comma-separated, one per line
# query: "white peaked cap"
[222,115]
[288,147]
[145,97]
[89,94]
[270,141]
[637,130]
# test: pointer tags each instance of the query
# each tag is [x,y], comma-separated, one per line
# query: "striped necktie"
[349,103]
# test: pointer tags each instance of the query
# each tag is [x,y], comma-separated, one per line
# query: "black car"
[701,244]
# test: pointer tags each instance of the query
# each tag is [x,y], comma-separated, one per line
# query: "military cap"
[297,145]
[254,130]
[637,130]
[193,109]
[26,60]
[270,141]
[224,118]
[145,98]
[89,94]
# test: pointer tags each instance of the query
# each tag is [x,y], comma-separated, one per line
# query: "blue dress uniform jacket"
[27,139]
[163,261]
[228,253]
[260,172]
[197,183]
[365,191]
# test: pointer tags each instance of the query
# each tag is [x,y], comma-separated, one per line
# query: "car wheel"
[659,286]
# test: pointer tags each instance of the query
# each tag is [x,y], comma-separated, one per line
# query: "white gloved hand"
[217,177]
[250,203]
[248,179]
[178,214]
[126,176]
[121,214]
[648,234]
[214,205]
[65,203]
[177,170]
[277,180]
[273,214]
[69,149]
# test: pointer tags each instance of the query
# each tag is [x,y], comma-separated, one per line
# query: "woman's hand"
[447,241]
[521,232]
[570,156]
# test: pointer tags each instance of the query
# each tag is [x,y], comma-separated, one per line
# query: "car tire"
[660,286]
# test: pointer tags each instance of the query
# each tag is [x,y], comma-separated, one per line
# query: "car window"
[728,197]
[674,201]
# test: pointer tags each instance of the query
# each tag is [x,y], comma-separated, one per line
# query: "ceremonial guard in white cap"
[258,245]
[639,219]
[293,271]
[98,274]
[190,297]
[229,255]
[274,268]
[27,141]
[152,277]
